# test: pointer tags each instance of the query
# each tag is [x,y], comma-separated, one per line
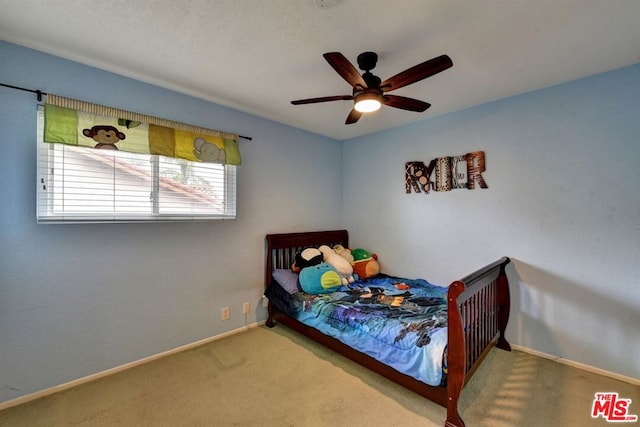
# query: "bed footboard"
[478,312]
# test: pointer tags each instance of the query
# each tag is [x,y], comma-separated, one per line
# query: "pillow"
[287,279]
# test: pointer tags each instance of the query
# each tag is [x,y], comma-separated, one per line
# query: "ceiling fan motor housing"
[371,80]
[367,61]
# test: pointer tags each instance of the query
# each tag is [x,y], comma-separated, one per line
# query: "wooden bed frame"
[478,312]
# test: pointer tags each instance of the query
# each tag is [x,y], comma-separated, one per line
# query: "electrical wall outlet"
[246,307]
[224,313]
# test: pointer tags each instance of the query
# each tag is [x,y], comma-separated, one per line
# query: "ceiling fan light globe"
[367,105]
[367,102]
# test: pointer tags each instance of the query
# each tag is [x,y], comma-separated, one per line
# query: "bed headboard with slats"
[282,248]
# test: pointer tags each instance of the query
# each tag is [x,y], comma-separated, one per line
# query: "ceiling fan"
[370,92]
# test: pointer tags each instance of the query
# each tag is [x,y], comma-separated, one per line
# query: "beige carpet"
[274,377]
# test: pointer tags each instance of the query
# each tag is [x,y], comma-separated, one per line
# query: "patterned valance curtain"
[74,122]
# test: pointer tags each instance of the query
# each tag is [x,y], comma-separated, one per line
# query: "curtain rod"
[39,93]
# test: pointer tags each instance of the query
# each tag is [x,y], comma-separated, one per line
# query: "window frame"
[48,212]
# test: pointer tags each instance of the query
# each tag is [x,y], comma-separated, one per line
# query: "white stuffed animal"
[344,268]
[344,253]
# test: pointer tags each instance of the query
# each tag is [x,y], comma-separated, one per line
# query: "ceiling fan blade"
[417,73]
[322,99]
[353,116]
[345,68]
[405,103]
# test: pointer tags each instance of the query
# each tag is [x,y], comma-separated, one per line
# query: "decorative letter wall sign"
[452,172]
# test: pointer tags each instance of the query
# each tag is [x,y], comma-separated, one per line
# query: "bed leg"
[270,322]
[504,301]
[454,420]
[503,344]
[454,389]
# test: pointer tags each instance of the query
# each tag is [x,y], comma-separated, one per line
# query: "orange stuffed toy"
[365,264]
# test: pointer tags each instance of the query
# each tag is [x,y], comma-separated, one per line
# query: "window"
[81,184]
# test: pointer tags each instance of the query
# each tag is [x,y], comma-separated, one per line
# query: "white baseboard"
[588,368]
[93,377]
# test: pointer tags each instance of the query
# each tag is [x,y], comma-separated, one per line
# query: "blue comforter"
[400,322]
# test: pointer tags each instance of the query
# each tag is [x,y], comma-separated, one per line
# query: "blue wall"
[80,299]
[563,202]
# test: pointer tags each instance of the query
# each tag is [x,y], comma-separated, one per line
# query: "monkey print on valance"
[102,131]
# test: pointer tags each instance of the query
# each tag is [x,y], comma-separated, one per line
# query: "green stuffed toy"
[365,264]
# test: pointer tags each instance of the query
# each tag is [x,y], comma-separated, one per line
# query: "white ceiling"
[258,55]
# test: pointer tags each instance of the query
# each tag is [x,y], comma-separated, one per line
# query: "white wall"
[80,299]
[563,202]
